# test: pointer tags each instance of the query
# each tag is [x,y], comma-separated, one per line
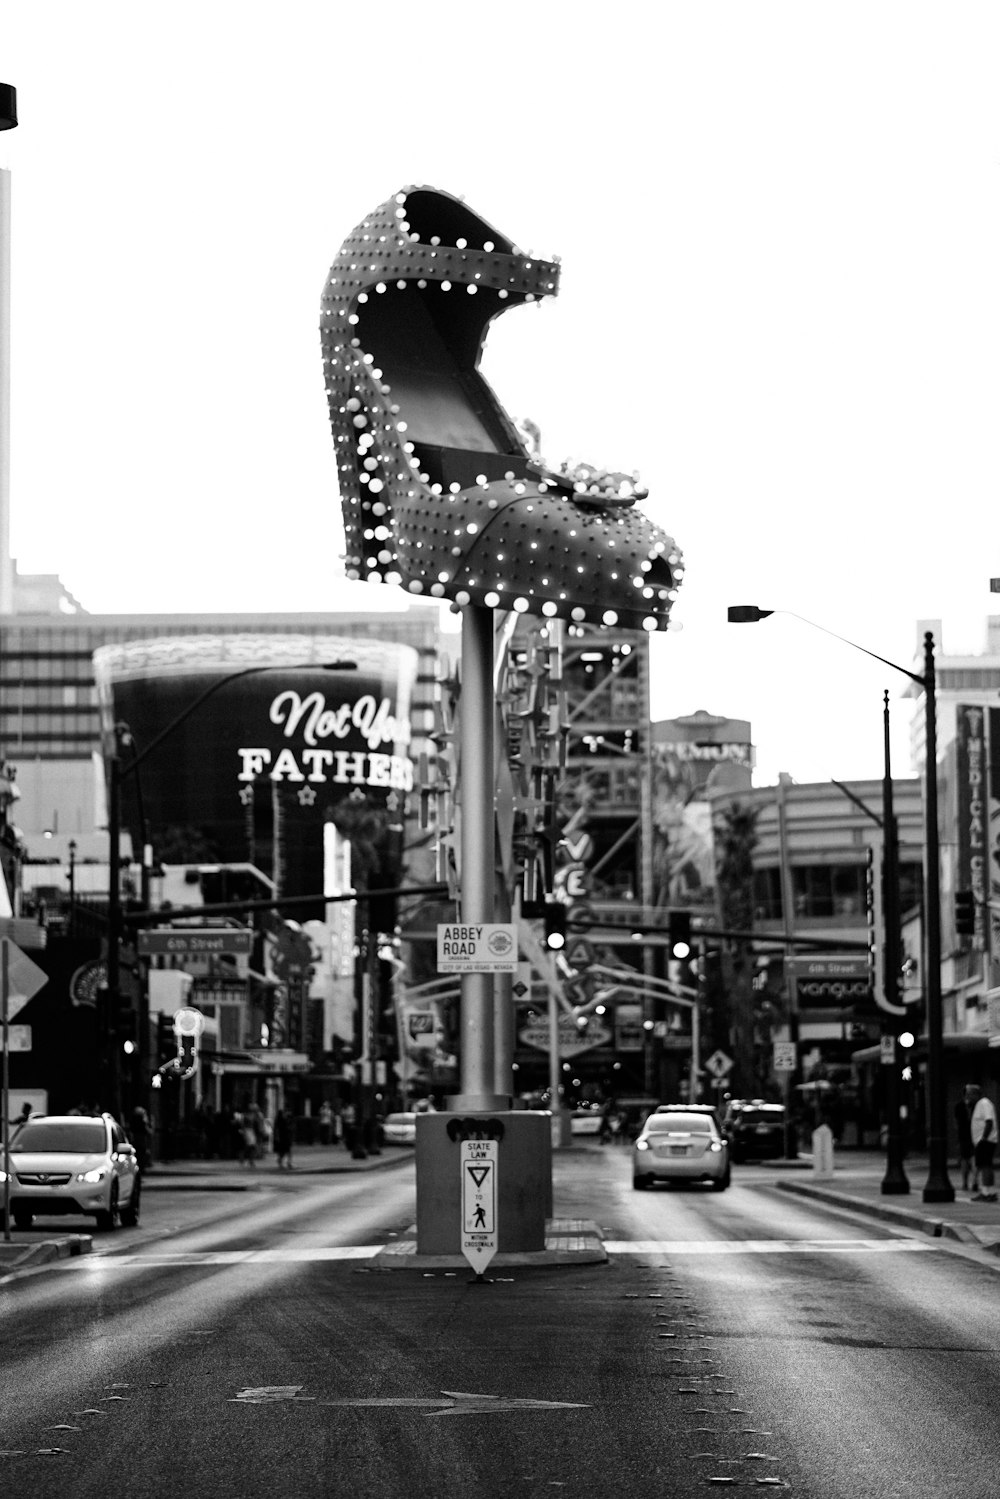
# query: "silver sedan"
[680,1147]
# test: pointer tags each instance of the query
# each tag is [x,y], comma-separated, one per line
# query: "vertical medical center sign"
[974,817]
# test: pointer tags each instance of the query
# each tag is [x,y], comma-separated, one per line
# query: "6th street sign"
[205,943]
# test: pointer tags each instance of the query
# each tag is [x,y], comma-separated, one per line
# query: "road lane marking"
[766,1246]
[291,1255]
[97,1264]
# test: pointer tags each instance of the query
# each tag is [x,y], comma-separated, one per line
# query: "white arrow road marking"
[453,1403]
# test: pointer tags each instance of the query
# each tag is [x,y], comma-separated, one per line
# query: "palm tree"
[735,836]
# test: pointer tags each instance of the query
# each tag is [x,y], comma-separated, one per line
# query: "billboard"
[266,739]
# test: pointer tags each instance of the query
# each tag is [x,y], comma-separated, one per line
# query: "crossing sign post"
[479,1202]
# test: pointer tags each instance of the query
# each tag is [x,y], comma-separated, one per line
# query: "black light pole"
[937,1187]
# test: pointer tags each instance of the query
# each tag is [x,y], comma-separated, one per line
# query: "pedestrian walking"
[983,1123]
[284,1135]
[248,1138]
[963,1128]
[139,1132]
[325,1123]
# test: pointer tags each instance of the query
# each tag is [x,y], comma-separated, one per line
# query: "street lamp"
[116,775]
[937,1188]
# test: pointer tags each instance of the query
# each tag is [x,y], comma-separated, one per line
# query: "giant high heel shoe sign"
[439,493]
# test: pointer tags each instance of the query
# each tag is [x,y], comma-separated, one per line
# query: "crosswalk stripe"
[765,1246]
[286,1256]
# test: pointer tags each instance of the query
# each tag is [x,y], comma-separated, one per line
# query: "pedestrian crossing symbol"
[479,1202]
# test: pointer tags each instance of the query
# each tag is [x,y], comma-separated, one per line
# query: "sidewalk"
[857,1184]
[233,1176]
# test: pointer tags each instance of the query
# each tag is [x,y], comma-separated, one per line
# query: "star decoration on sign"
[246,795]
[307,796]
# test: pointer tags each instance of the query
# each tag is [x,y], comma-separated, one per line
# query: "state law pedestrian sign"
[477,947]
[479,1202]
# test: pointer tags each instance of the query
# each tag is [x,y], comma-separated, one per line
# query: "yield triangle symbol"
[479,1174]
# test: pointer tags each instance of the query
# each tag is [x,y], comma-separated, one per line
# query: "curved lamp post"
[117,773]
[937,1188]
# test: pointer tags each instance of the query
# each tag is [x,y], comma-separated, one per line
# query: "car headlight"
[716,1145]
[642,1144]
[97,1175]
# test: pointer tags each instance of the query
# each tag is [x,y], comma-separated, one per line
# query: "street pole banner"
[993,882]
[970,786]
[479,1202]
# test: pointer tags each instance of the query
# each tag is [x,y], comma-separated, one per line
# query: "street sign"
[207,942]
[572,1040]
[579,953]
[718,1064]
[829,966]
[19,1038]
[521,986]
[479,1202]
[784,1056]
[477,947]
[24,978]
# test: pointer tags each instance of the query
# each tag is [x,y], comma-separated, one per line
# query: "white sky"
[780,232]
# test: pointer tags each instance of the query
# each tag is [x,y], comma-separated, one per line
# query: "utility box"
[822,1143]
[524,1177]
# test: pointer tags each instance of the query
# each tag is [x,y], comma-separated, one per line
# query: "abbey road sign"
[477,947]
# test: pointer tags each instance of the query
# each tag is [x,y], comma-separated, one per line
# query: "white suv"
[73,1165]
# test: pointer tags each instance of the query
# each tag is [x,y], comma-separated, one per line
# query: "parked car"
[73,1165]
[692,1108]
[399,1129]
[586,1121]
[755,1129]
[680,1145]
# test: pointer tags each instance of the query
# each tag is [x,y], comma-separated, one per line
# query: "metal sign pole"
[478,839]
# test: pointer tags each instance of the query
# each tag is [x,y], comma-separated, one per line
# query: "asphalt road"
[741,1340]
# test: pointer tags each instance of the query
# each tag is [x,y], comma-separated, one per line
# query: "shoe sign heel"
[439,493]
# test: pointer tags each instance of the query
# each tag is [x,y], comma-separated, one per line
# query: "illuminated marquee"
[374,721]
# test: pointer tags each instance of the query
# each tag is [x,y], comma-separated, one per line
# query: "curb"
[163,1179]
[576,1243]
[44,1251]
[935,1228]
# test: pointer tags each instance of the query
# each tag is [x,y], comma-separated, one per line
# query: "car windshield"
[663,1124]
[48,1136]
[760,1116]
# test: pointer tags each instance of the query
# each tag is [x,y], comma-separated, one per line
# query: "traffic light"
[686,972]
[906,1040]
[125,1020]
[555,925]
[679,934]
[965,913]
[166,1039]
